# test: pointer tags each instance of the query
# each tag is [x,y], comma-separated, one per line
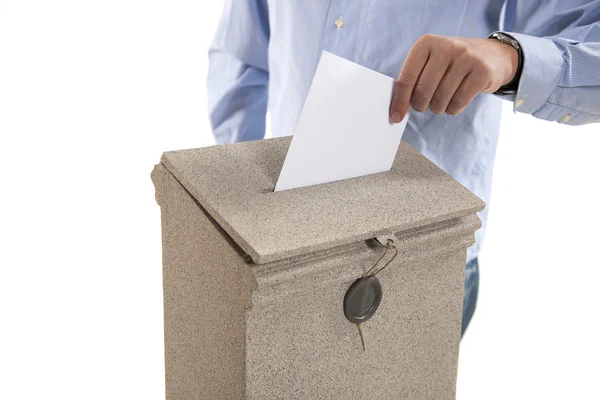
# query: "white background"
[92,92]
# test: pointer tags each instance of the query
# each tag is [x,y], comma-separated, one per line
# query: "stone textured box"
[255,280]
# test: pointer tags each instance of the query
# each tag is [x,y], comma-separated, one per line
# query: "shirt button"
[339,22]
[566,118]
[519,102]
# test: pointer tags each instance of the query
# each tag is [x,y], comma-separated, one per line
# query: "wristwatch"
[512,86]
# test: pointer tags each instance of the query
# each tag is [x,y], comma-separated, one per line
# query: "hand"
[445,73]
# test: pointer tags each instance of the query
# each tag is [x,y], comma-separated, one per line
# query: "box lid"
[235,183]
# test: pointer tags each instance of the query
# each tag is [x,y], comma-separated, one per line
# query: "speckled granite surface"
[258,314]
[234,183]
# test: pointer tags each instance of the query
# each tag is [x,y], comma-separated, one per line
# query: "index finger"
[403,87]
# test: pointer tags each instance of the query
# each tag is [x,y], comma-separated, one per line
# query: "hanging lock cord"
[390,245]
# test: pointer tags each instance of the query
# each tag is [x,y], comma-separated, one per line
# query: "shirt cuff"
[542,68]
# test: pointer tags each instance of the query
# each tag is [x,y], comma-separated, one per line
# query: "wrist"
[512,56]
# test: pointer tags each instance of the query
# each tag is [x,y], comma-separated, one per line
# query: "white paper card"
[344,129]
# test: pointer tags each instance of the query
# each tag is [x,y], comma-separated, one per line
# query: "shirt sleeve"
[238,75]
[560,41]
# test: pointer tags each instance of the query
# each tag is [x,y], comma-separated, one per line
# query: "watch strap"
[513,85]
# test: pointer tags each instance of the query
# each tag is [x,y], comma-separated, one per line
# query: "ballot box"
[344,290]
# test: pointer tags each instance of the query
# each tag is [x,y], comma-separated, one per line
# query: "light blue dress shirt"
[265,53]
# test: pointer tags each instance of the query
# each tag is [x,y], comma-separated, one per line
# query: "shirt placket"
[341,35]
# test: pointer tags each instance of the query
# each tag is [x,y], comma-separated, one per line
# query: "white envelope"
[344,129]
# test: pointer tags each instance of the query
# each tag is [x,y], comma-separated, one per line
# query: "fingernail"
[396,117]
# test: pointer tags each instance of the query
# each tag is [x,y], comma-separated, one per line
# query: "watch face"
[506,39]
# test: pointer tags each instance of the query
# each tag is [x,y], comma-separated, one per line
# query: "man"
[455,69]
